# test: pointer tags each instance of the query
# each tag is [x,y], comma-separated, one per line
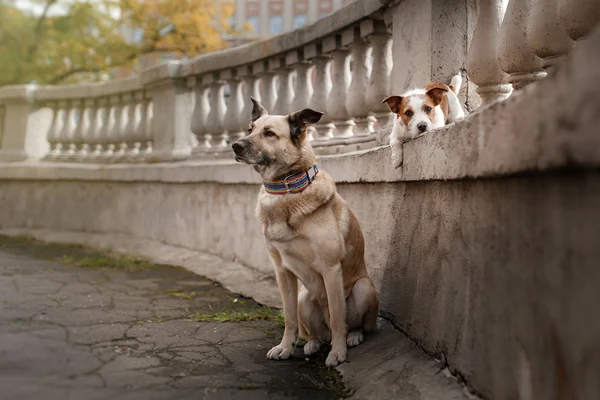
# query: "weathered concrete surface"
[69,332]
[499,275]
[233,275]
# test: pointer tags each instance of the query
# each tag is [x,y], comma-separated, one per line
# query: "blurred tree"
[69,39]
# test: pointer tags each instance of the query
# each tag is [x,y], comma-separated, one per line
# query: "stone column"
[80,130]
[322,88]
[578,17]
[356,100]
[336,104]
[515,56]
[546,37]
[89,130]
[145,127]
[53,134]
[216,116]
[101,131]
[68,128]
[24,124]
[378,87]
[482,62]
[233,115]
[171,111]
[285,93]
[199,116]
[430,43]
[252,89]
[268,89]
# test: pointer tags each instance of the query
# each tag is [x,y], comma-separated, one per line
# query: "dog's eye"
[408,113]
[268,133]
[427,109]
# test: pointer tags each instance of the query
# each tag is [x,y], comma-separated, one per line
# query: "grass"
[106,260]
[251,314]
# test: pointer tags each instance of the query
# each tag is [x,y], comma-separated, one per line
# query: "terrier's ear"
[435,91]
[257,109]
[393,103]
[298,122]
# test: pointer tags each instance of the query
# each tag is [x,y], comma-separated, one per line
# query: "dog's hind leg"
[312,326]
[361,311]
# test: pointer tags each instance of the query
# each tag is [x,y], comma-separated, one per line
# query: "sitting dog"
[312,235]
[421,110]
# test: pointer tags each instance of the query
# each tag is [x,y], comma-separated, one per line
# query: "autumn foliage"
[74,39]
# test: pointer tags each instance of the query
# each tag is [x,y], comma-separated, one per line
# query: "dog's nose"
[422,127]
[238,146]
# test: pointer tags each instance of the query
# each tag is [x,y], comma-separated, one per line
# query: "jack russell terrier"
[421,110]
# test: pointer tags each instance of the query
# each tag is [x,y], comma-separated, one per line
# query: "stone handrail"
[343,64]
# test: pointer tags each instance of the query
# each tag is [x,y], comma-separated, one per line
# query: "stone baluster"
[215,120]
[66,134]
[53,135]
[233,116]
[102,128]
[90,128]
[322,88]
[336,104]
[128,123]
[515,56]
[199,116]
[136,134]
[356,100]
[268,85]
[145,126]
[81,123]
[285,93]
[381,68]
[252,89]
[113,133]
[482,61]
[303,90]
[546,37]
[578,17]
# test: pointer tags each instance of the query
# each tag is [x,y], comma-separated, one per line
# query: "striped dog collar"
[294,183]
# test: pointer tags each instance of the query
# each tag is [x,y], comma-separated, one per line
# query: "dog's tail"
[456,82]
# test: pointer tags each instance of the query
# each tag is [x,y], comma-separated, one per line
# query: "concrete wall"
[496,274]
[485,245]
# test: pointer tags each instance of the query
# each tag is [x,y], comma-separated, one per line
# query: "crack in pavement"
[139,342]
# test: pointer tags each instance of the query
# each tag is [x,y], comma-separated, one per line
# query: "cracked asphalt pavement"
[90,331]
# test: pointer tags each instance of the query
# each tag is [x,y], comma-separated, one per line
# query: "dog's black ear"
[393,103]
[298,121]
[257,109]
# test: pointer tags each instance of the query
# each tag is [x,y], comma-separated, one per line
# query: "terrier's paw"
[335,357]
[279,352]
[354,338]
[311,347]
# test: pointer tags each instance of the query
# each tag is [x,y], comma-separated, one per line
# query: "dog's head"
[417,110]
[276,144]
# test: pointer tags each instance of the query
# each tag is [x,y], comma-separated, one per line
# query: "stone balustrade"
[342,65]
[517,42]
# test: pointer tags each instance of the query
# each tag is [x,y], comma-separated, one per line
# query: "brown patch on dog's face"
[435,92]
[274,141]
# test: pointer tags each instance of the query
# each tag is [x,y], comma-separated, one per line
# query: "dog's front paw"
[335,357]
[279,352]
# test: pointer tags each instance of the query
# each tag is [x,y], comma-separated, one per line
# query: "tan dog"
[311,235]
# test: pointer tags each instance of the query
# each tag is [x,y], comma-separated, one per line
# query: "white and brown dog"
[421,110]
[312,235]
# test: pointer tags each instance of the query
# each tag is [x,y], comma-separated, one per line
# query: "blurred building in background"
[272,17]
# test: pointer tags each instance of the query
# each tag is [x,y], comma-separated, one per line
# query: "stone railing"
[344,64]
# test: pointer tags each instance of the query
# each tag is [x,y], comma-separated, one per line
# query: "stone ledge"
[232,275]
